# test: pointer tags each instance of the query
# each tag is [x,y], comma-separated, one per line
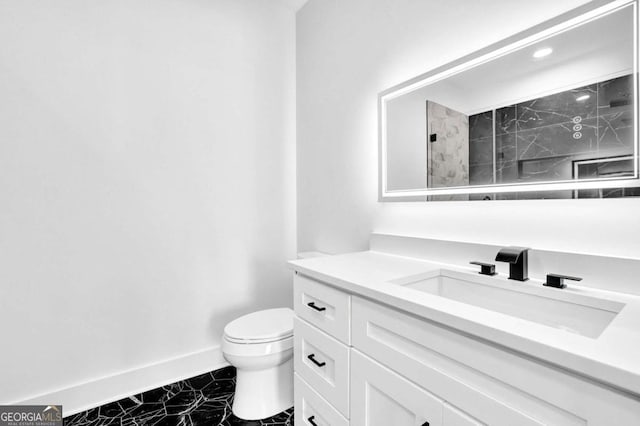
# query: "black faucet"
[517,257]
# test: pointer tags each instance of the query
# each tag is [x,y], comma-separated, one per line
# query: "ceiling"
[594,51]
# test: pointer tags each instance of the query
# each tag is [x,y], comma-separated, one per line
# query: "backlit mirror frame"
[557,25]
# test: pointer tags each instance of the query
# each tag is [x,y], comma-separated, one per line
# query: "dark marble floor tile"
[177,420]
[204,400]
[159,394]
[211,413]
[144,413]
[282,419]
[218,387]
[201,381]
[183,402]
[563,107]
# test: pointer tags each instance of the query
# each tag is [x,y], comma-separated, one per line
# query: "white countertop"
[612,358]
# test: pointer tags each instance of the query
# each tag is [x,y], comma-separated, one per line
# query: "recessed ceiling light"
[541,53]
[583,98]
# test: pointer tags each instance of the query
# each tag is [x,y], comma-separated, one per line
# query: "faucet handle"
[485,268]
[557,280]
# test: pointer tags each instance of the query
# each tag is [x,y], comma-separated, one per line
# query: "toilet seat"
[256,349]
[254,341]
[268,326]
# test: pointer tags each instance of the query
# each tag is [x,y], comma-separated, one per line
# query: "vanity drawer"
[311,408]
[323,306]
[411,347]
[323,362]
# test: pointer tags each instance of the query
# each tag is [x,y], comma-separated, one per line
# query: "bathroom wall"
[348,52]
[147,176]
[407,156]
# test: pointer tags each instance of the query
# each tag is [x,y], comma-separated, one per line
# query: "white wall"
[147,180]
[348,52]
[407,153]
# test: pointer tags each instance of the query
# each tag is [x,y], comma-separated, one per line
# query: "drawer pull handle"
[313,360]
[311,422]
[312,305]
[425,424]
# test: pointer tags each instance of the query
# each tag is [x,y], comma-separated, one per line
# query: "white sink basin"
[562,309]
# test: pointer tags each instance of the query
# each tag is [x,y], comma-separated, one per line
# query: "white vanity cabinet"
[322,362]
[322,335]
[383,366]
[380,397]
[311,408]
[324,307]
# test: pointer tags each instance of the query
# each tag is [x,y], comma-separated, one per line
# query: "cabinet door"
[451,416]
[380,397]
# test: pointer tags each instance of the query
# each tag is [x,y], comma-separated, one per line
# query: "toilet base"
[263,393]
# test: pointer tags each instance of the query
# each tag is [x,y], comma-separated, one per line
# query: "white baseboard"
[92,394]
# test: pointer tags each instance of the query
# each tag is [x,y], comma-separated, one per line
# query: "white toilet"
[260,346]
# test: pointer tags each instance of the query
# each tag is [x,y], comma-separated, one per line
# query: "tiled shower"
[579,133]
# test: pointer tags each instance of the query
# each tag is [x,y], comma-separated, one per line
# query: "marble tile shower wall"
[538,140]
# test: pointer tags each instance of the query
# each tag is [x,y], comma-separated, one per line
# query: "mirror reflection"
[560,109]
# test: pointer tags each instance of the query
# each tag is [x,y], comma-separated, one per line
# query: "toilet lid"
[261,326]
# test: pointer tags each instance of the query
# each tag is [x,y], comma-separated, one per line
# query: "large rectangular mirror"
[548,113]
